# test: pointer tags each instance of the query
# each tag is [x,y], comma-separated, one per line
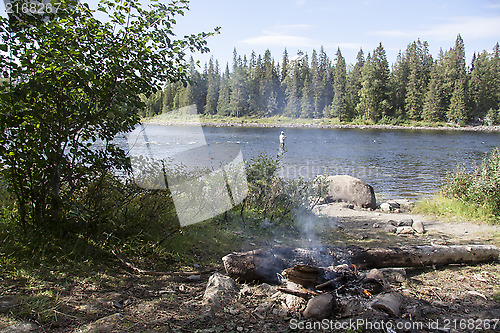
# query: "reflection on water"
[397,163]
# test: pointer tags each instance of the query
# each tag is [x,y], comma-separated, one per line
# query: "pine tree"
[399,83]
[374,94]
[339,108]
[239,87]
[481,91]
[224,101]
[433,105]
[457,112]
[366,108]
[353,84]
[454,71]
[419,65]
[213,85]
[307,99]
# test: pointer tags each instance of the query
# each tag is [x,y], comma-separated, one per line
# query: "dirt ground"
[435,299]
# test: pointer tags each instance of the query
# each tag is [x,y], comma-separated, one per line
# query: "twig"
[304,294]
[127,263]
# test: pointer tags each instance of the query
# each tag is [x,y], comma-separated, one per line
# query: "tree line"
[416,87]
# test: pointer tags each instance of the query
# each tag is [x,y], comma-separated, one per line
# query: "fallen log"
[267,264]
[424,255]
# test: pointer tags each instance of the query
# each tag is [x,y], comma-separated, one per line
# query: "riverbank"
[307,123]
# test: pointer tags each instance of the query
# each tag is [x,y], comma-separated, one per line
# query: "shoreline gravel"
[332,126]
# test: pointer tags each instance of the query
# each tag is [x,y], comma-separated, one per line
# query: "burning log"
[266,265]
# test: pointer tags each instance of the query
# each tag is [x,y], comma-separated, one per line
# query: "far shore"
[479,128]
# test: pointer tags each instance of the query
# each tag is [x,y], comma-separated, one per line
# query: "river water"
[397,163]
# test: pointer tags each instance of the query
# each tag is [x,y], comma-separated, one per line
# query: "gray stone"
[345,188]
[418,226]
[221,290]
[293,302]
[376,274]
[386,207]
[106,324]
[405,230]
[390,228]
[263,308]
[405,223]
[390,303]
[394,275]
[350,306]
[320,307]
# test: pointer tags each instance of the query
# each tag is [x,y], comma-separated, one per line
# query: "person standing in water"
[282,140]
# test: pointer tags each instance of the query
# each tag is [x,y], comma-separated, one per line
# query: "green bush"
[480,187]
[275,197]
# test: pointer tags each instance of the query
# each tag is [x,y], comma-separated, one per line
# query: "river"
[397,163]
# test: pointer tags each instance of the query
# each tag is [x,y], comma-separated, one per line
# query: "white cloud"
[291,36]
[470,27]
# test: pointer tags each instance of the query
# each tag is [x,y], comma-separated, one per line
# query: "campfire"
[343,281]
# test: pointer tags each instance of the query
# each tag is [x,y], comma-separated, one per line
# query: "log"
[267,264]
[424,255]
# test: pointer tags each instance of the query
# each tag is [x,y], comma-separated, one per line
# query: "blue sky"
[309,24]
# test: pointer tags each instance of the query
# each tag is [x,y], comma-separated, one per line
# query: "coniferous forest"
[416,87]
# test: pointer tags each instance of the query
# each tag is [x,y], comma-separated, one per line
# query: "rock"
[405,206]
[106,324]
[418,226]
[265,289]
[394,275]
[20,328]
[194,278]
[386,207]
[221,290]
[405,223]
[390,228]
[352,190]
[405,230]
[263,308]
[293,302]
[320,307]
[376,274]
[392,222]
[206,313]
[390,303]
[350,306]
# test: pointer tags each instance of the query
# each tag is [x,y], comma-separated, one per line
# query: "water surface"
[397,163]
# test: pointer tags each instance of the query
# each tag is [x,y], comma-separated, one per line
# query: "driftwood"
[127,263]
[268,264]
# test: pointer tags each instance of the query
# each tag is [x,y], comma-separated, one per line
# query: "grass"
[453,209]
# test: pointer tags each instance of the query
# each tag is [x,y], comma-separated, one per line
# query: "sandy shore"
[332,126]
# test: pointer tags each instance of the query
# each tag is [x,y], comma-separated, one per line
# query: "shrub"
[480,187]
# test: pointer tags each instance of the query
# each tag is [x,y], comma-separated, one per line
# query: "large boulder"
[349,189]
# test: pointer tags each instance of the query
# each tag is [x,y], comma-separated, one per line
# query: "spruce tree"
[353,84]
[433,105]
[224,102]
[213,85]
[339,108]
[457,112]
